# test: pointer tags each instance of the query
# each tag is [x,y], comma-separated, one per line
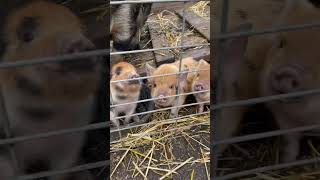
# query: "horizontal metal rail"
[54,59]
[154,122]
[152,99]
[268,168]
[264,99]
[161,109]
[157,49]
[80,168]
[265,135]
[53,133]
[266,31]
[162,75]
[151,1]
[170,130]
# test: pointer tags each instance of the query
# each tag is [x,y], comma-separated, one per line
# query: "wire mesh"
[182,46]
[72,57]
[219,39]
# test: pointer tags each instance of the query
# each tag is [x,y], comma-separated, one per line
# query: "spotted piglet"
[124,91]
[201,82]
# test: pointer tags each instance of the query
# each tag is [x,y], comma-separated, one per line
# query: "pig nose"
[199,87]
[134,76]
[81,64]
[162,99]
[285,80]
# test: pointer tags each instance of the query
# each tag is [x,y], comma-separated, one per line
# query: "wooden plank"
[203,53]
[158,41]
[200,24]
[158,7]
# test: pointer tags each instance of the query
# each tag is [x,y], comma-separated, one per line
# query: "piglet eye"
[27,37]
[27,28]
[154,85]
[198,74]
[171,87]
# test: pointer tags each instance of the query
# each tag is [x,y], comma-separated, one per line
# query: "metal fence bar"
[181,52]
[223,36]
[268,168]
[152,123]
[84,167]
[150,1]
[162,109]
[267,31]
[53,133]
[162,75]
[265,135]
[174,129]
[157,49]
[151,99]
[8,134]
[218,94]
[264,99]
[54,59]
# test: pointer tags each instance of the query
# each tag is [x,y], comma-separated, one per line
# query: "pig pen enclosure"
[164,147]
[255,152]
[93,155]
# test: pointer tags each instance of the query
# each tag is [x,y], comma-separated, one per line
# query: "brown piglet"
[125,91]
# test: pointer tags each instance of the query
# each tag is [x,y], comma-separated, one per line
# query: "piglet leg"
[114,121]
[291,147]
[175,110]
[129,116]
[200,109]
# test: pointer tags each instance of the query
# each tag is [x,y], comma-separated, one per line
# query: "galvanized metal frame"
[181,47]
[11,140]
[219,38]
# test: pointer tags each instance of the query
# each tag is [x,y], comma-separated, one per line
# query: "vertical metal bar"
[219,83]
[111,100]
[8,134]
[182,49]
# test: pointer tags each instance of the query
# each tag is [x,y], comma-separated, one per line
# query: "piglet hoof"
[287,158]
[136,119]
[115,123]
[173,115]
[200,109]
[127,120]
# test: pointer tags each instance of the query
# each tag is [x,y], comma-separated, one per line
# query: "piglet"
[145,93]
[167,85]
[292,65]
[125,91]
[201,82]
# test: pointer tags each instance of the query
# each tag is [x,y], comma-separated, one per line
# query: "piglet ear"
[235,48]
[202,62]
[182,77]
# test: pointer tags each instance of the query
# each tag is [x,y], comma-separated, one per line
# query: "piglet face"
[125,71]
[34,33]
[290,67]
[166,85]
[201,81]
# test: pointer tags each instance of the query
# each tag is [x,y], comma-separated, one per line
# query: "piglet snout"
[78,45]
[134,76]
[162,99]
[201,86]
[198,87]
[285,80]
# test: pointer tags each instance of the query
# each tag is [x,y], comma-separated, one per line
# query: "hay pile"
[200,9]
[153,150]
